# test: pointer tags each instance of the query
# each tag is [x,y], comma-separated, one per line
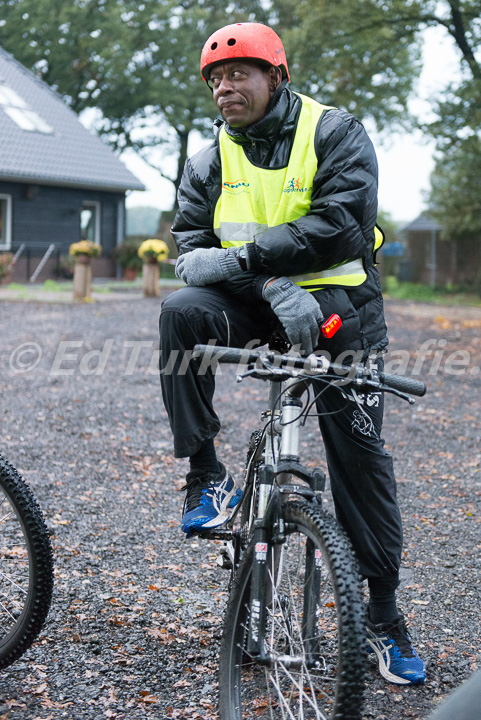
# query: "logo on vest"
[238,186]
[294,185]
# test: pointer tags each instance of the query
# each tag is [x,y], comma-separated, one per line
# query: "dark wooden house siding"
[456,262]
[43,214]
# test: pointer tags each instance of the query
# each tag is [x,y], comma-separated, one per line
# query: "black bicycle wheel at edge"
[333,686]
[26,566]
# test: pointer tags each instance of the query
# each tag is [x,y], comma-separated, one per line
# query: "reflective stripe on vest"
[254,199]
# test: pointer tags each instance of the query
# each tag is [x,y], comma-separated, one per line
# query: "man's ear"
[275,77]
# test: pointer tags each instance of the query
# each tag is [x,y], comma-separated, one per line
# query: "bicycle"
[26,566]
[293,642]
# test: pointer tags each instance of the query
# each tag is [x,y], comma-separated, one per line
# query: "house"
[435,260]
[58,182]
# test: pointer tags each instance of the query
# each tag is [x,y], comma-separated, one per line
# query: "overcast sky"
[405,161]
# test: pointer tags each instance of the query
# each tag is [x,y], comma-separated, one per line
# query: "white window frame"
[7,231]
[97,207]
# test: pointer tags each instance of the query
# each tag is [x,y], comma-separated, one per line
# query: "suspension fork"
[290,423]
[270,451]
[269,525]
[312,591]
[268,533]
[268,536]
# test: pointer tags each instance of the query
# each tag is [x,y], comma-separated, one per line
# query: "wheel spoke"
[7,611]
[296,679]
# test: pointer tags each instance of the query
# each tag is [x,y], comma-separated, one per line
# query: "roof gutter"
[79,184]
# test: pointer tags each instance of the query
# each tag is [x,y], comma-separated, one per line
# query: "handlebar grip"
[404,384]
[222,354]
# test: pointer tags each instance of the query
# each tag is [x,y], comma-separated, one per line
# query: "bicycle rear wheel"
[314,633]
[26,566]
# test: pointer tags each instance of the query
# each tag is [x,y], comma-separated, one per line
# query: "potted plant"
[152,252]
[127,257]
[6,266]
[83,252]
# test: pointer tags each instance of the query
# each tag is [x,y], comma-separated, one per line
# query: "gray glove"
[207,265]
[297,310]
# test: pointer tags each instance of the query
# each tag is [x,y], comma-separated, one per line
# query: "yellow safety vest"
[254,199]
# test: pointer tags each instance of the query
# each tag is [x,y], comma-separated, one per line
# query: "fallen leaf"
[40,689]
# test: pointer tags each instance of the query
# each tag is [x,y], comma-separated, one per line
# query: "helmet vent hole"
[231,42]
[213,46]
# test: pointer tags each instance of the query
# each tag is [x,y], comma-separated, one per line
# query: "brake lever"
[400,394]
[377,385]
[267,373]
[254,372]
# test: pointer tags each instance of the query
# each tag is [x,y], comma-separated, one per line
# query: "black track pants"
[360,470]
[199,315]
[362,480]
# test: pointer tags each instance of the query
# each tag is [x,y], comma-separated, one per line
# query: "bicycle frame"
[281,450]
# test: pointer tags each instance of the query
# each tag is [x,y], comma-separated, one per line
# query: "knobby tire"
[333,689]
[26,566]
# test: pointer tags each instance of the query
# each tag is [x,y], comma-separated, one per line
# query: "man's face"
[242,91]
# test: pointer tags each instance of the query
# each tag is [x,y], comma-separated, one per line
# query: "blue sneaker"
[398,661]
[209,498]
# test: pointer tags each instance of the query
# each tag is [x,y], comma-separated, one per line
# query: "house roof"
[66,153]
[423,223]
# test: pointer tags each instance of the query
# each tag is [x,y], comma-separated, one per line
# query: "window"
[5,222]
[90,221]
[18,110]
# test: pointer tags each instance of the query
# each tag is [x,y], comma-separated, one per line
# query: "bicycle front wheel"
[26,566]
[314,639]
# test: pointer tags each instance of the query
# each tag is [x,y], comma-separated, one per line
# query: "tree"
[365,54]
[459,110]
[75,47]
[455,201]
[136,62]
[353,54]
[455,198]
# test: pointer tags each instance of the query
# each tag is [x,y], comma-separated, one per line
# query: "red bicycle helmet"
[243,40]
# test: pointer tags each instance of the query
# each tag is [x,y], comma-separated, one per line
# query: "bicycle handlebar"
[404,384]
[312,365]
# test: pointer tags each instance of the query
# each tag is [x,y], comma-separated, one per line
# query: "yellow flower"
[85,247]
[153,248]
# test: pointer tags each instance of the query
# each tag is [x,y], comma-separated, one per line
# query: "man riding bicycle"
[276,229]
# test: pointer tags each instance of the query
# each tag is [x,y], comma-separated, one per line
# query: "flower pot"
[82,259]
[129,274]
[150,279]
[82,278]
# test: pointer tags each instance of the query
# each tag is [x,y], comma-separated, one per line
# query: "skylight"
[18,110]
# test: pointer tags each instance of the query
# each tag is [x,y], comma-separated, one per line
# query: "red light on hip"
[331,326]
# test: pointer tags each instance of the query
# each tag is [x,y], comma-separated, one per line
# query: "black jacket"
[339,225]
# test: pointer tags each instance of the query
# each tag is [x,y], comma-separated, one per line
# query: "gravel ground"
[136,617]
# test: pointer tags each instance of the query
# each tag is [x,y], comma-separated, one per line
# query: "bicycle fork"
[265,592]
[269,536]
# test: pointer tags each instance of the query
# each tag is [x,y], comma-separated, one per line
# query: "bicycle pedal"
[224,560]
[213,534]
